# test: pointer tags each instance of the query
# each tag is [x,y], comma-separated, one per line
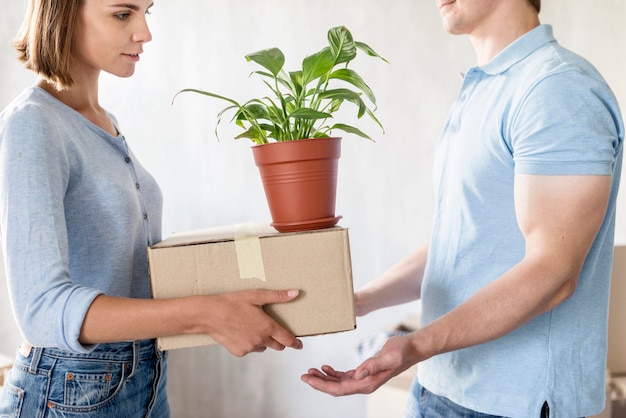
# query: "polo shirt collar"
[519,49]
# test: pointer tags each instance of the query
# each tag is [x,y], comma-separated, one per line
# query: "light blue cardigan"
[77,212]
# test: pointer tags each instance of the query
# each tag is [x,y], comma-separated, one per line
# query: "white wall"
[384,192]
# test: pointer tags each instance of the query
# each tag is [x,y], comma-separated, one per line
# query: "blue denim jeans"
[425,404]
[115,380]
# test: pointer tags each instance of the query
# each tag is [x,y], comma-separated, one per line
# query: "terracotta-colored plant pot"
[300,182]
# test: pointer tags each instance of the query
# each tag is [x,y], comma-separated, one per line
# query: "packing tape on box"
[249,256]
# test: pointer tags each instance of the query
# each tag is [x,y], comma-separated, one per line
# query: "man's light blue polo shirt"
[536,108]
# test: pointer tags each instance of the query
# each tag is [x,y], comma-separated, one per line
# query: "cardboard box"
[255,256]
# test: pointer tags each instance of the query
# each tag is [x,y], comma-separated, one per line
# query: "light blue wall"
[384,193]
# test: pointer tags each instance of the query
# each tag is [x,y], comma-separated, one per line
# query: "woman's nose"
[142,33]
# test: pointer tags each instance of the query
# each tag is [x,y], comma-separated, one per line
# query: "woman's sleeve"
[35,171]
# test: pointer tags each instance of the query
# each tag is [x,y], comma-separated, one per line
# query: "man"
[514,282]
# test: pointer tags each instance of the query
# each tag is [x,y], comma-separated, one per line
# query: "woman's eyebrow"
[130,6]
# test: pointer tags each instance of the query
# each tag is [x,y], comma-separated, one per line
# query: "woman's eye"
[122,16]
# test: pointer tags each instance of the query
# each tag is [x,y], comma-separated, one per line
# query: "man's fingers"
[321,375]
[373,366]
[322,384]
[316,373]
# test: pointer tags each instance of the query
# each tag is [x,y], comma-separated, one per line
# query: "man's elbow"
[564,292]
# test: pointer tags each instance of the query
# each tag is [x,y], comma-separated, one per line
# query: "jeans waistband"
[131,352]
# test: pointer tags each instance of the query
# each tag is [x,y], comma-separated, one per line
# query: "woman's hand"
[237,321]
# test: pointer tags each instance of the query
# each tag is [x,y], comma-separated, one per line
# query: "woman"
[77,212]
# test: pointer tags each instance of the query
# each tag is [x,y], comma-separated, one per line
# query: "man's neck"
[501,31]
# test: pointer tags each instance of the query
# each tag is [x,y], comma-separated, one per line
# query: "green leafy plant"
[303,102]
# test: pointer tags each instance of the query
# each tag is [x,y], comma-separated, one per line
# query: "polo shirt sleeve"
[48,306]
[566,125]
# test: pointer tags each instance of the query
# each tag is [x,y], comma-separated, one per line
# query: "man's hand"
[397,355]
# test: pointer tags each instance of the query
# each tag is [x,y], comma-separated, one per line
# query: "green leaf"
[283,79]
[296,81]
[206,93]
[253,134]
[264,74]
[375,119]
[306,113]
[368,50]
[267,127]
[341,44]
[353,78]
[256,111]
[239,118]
[351,130]
[320,134]
[334,106]
[345,94]
[276,114]
[317,65]
[271,59]
[300,103]
[219,118]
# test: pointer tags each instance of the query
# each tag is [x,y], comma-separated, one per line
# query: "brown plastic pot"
[300,182]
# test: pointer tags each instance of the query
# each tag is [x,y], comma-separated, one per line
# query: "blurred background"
[385,187]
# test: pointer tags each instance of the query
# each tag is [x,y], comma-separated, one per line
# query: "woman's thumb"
[279,296]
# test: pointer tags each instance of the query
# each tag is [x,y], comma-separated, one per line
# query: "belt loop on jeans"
[135,359]
[25,349]
[159,353]
[34,363]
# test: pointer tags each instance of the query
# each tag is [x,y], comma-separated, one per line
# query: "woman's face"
[109,36]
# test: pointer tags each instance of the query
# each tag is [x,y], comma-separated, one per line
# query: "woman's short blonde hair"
[44,43]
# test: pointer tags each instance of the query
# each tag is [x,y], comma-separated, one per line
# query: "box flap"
[227,233]
[217,234]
